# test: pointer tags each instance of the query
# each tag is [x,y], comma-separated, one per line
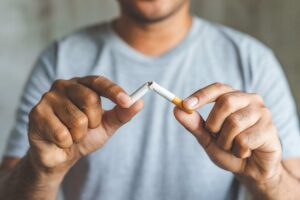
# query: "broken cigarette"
[151,85]
[140,92]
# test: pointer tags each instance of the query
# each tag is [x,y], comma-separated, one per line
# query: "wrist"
[42,174]
[267,187]
[272,183]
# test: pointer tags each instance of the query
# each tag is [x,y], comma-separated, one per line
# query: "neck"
[154,39]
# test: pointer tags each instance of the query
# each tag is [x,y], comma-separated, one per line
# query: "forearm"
[285,186]
[25,182]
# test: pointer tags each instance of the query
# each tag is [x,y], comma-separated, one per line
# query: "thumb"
[113,119]
[194,123]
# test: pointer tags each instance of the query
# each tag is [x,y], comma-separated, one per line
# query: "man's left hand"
[238,135]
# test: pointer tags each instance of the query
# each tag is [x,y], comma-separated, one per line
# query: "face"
[151,10]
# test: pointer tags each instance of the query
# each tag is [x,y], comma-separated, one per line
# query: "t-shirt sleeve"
[269,81]
[39,81]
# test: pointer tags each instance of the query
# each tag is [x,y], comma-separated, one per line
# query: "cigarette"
[140,92]
[168,95]
[151,85]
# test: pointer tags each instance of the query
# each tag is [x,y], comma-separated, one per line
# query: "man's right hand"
[69,122]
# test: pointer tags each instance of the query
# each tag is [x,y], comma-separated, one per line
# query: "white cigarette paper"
[139,93]
[151,85]
[162,91]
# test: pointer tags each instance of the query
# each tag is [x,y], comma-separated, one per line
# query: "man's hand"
[238,135]
[69,123]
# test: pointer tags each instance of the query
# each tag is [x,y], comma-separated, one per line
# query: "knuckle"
[233,121]
[201,94]
[58,84]
[48,96]
[266,113]
[79,121]
[226,101]
[242,140]
[258,98]
[218,85]
[269,128]
[98,80]
[76,78]
[77,136]
[222,86]
[273,129]
[91,99]
[122,120]
[73,87]
[60,134]
[113,89]
[36,112]
[226,86]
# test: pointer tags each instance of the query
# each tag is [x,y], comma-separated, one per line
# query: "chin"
[151,11]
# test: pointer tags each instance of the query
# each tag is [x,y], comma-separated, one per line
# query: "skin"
[165,22]
[64,126]
[239,136]
[67,124]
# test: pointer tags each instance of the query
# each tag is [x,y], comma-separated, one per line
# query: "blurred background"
[29,26]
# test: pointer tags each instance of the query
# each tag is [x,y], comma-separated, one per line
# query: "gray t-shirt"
[153,156]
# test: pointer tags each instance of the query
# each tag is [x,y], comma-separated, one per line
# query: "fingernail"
[191,102]
[123,99]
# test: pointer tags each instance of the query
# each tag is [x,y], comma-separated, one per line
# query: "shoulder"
[237,51]
[77,53]
[226,37]
[86,39]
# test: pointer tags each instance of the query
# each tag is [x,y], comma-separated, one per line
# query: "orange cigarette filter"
[179,103]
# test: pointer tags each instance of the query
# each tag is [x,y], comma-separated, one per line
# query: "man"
[76,139]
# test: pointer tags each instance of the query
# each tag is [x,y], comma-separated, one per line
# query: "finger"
[106,88]
[194,124]
[241,151]
[87,101]
[48,127]
[225,106]
[206,95]
[72,117]
[261,136]
[236,123]
[117,117]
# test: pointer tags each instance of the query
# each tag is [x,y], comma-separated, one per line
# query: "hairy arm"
[20,180]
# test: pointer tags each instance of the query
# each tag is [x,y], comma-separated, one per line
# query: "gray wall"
[28,26]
